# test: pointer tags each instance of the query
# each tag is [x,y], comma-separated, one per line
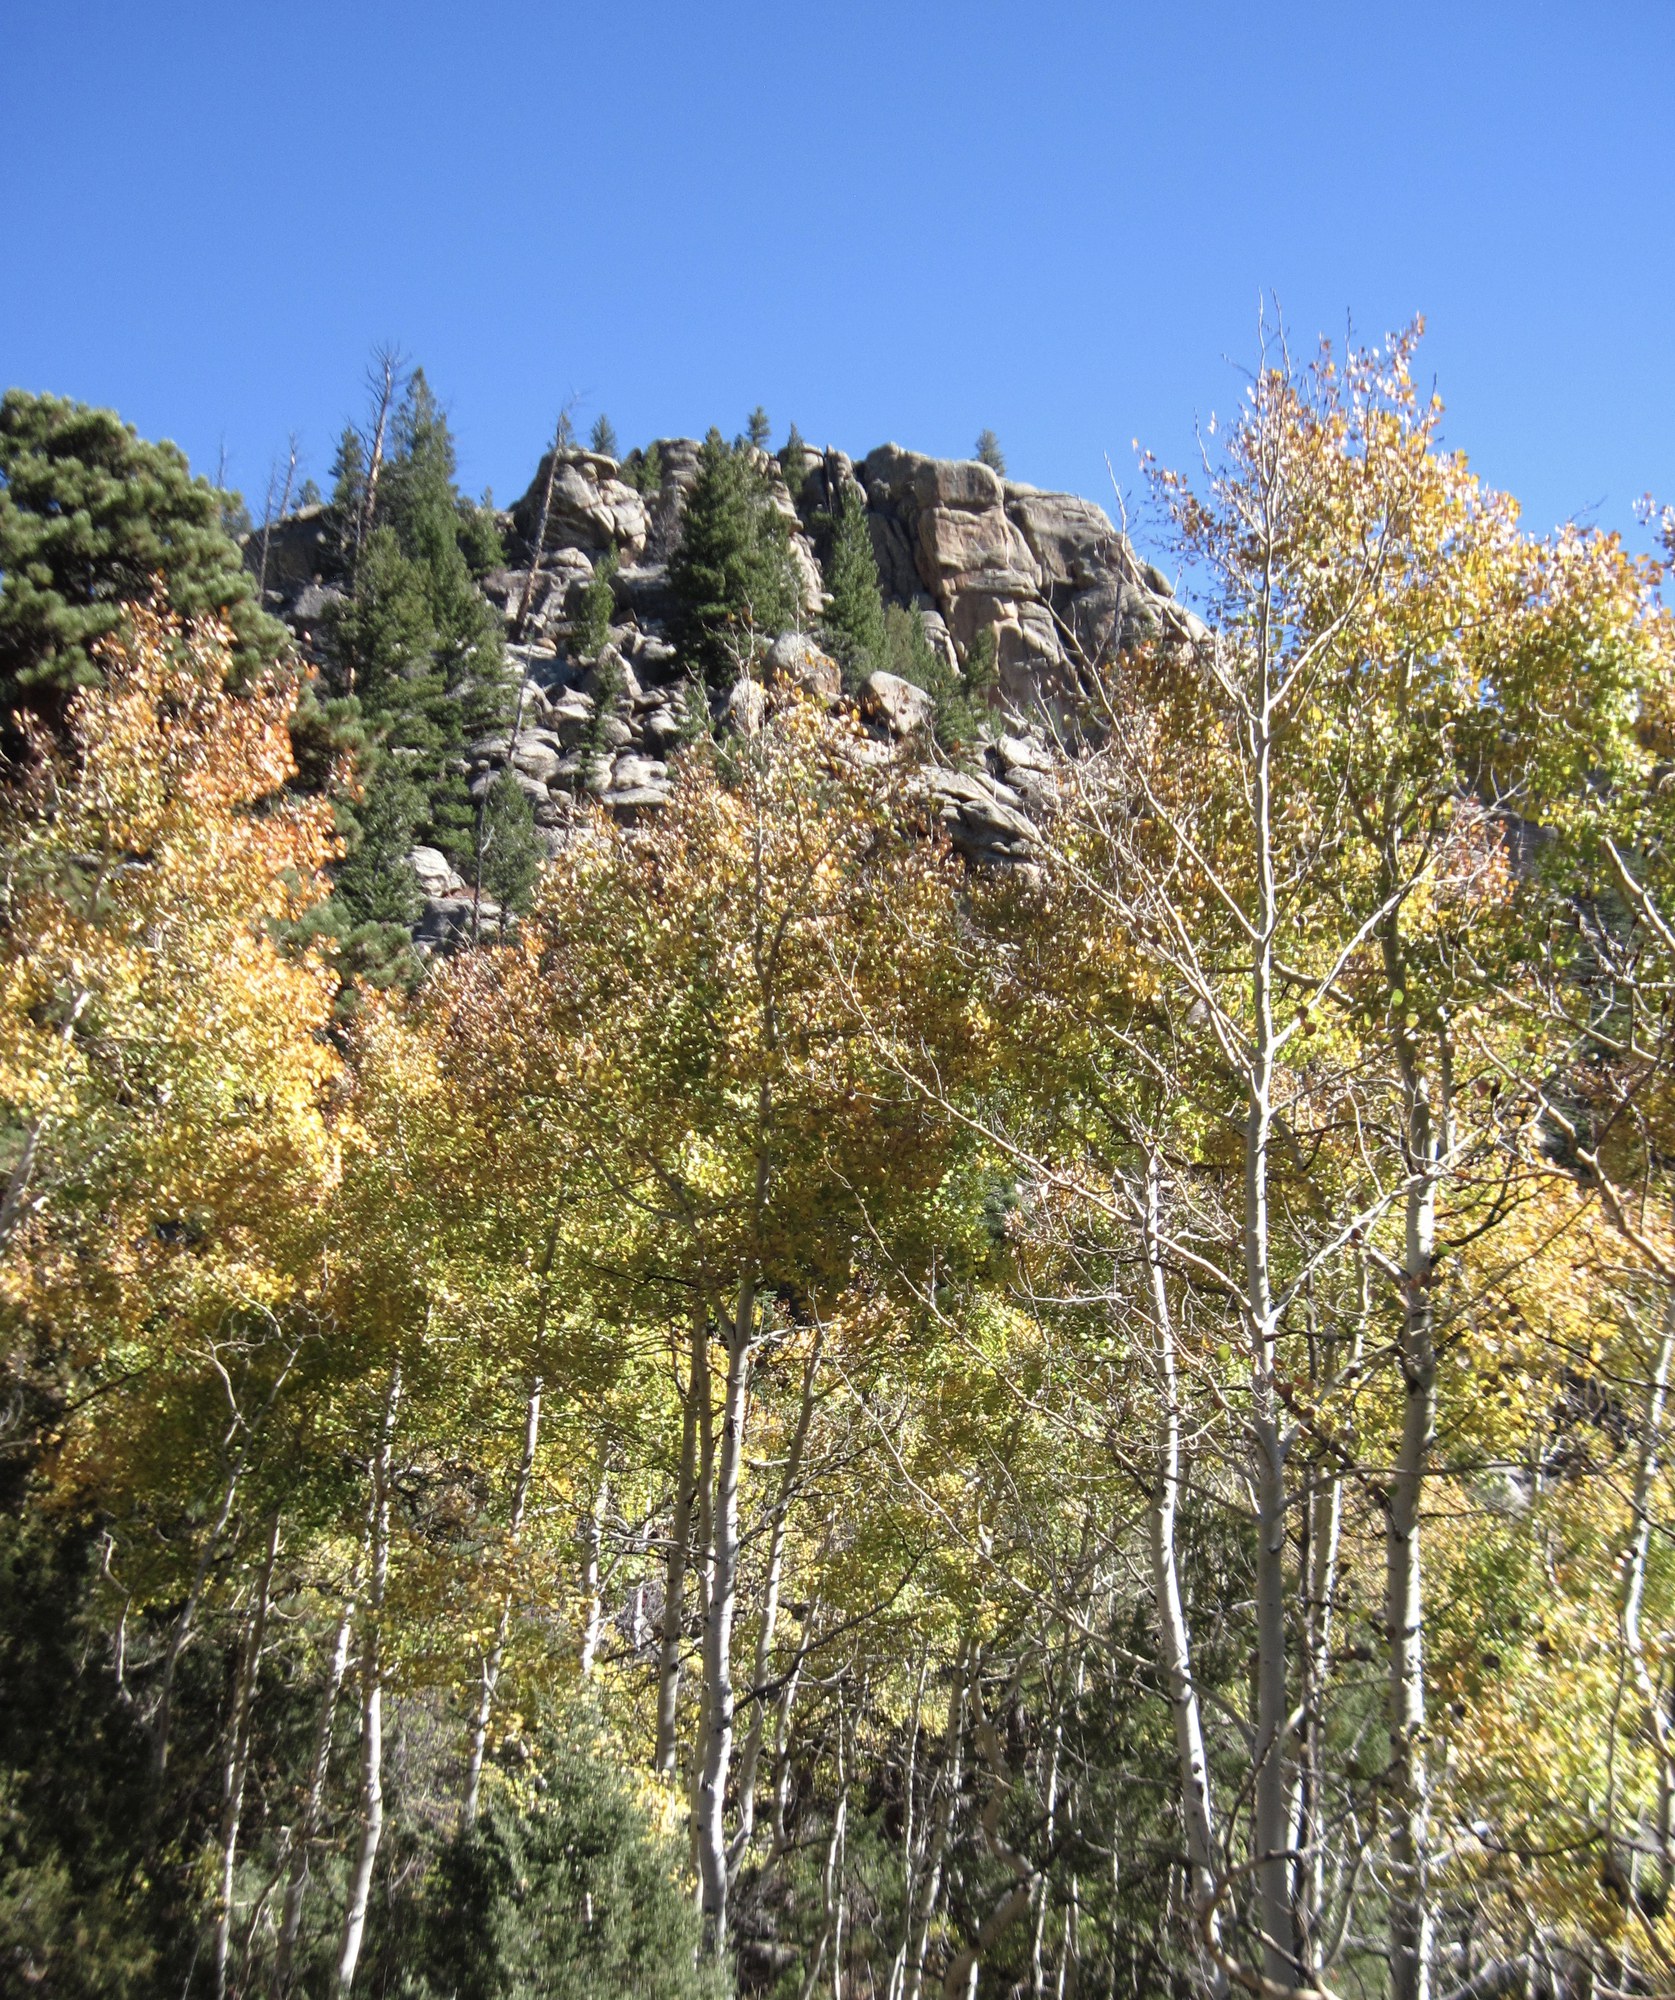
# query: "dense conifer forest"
[735,1262]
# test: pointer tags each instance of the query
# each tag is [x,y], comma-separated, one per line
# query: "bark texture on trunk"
[716,1747]
[674,1579]
[372,1696]
[496,1655]
[1174,1637]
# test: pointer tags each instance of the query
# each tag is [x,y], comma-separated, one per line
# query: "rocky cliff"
[1047,573]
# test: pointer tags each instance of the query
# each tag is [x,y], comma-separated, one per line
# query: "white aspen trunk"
[953,1750]
[674,1584]
[782,1733]
[1404,1610]
[296,1884]
[717,1739]
[592,1598]
[1325,1529]
[1268,1438]
[750,1756]
[495,1658]
[372,1697]
[1174,1636]
[237,1759]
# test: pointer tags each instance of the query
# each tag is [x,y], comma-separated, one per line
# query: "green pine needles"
[732,579]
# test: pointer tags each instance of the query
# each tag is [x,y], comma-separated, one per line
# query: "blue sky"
[882,220]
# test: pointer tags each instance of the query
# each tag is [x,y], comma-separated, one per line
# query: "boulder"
[960,483]
[794,657]
[955,544]
[590,509]
[437,874]
[746,706]
[901,707]
[537,759]
[630,772]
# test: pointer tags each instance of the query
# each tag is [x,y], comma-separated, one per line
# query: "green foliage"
[509,848]
[479,537]
[757,428]
[644,470]
[853,625]
[79,1917]
[982,669]
[909,653]
[414,643]
[731,576]
[987,452]
[609,685]
[602,438]
[594,630]
[91,516]
[793,462]
[568,1895]
[376,884]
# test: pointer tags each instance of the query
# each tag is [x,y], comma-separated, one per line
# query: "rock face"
[1046,573]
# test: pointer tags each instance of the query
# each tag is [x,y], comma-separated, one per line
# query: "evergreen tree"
[594,630]
[375,883]
[854,621]
[603,437]
[793,462]
[414,642]
[566,1896]
[731,576]
[757,428]
[989,453]
[91,515]
[911,655]
[644,470]
[509,850]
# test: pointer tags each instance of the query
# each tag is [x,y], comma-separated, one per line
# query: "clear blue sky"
[880,218]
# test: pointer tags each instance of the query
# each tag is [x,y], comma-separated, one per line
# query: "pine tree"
[509,850]
[594,630]
[91,516]
[793,462]
[603,437]
[731,576]
[415,643]
[757,428]
[989,453]
[854,621]
[644,470]
[375,883]
[911,655]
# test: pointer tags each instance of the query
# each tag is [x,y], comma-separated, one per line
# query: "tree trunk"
[593,1602]
[237,1760]
[296,1885]
[1410,1903]
[717,1741]
[496,1654]
[372,1697]
[750,1756]
[1174,1638]
[674,1585]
